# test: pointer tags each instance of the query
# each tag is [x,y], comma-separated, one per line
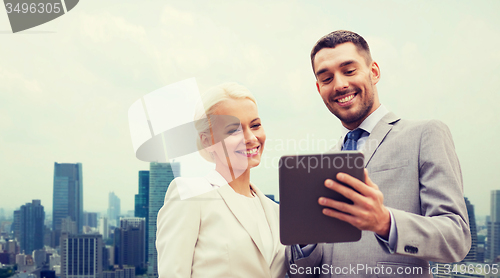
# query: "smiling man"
[411,208]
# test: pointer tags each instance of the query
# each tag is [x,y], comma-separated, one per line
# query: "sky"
[66,86]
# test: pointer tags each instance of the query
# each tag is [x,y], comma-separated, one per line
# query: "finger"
[340,215]
[345,191]
[341,206]
[368,181]
[358,185]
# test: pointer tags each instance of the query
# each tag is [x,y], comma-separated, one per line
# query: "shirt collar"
[370,122]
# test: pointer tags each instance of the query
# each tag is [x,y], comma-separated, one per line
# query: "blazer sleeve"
[441,233]
[177,231]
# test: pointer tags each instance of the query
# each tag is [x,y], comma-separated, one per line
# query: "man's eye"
[327,80]
[350,71]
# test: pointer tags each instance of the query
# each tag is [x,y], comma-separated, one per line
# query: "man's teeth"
[345,99]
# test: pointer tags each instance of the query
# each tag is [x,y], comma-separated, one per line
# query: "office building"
[472,255]
[125,272]
[131,241]
[16,224]
[81,256]
[103,227]
[142,202]
[160,176]
[67,195]
[31,229]
[90,219]
[113,210]
[493,237]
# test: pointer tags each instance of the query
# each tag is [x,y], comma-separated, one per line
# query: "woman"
[227,227]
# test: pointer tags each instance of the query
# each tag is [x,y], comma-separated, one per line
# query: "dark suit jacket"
[415,166]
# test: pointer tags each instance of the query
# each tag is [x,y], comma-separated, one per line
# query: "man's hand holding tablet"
[367,211]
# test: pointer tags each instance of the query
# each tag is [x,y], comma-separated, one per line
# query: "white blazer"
[210,236]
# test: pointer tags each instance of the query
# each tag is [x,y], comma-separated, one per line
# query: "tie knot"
[351,142]
[355,134]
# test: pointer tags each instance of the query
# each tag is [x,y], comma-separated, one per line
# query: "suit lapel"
[377,136]
[227,193]
[272,218]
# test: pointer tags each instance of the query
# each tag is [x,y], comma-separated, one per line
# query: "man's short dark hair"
[339,37]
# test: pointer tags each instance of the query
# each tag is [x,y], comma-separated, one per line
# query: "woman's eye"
[234,131]
[256,125]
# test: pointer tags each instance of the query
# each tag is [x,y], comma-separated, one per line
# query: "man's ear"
[317,86]
[375,72]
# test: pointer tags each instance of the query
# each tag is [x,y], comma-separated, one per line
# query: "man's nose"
[340,83]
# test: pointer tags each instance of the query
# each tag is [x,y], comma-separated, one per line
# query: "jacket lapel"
[271,216]
[377,136]
[227,193]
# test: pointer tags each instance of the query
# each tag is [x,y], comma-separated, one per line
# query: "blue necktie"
[352,137]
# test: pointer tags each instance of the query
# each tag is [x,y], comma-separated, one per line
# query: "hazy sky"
[66,86]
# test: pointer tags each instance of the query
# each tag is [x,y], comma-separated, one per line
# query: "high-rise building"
[142,203]
[160,176]
[90,219]
[81,256]
[103,227]
[472,255]
[493,238]
[16,224]
[113,209]
[67,195]
[31,228]
[131,241]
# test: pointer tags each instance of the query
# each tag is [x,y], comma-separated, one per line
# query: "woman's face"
[243,140]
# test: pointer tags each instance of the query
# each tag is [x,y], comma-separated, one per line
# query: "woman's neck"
[239,181]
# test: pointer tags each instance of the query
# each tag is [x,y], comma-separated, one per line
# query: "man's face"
[346,83]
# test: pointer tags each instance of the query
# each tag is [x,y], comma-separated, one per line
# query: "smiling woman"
[229,228]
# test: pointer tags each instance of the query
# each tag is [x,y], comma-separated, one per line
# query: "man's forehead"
[337,56]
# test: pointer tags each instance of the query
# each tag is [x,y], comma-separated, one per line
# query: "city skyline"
[66,86]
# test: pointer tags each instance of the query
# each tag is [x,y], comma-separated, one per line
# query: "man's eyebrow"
[321,71]
[343,64]
[348,62]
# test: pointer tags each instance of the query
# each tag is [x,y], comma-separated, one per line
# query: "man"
[411,207]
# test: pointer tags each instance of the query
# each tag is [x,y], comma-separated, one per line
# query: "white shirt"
[255,211]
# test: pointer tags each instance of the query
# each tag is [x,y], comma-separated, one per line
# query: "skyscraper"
[132,241]
[31,230]
[493,243]
[90,219]
[16,224]
[68,195]
[160,176]
[471,256]
[142,203]
[113,210]
[103,227]
[81,256]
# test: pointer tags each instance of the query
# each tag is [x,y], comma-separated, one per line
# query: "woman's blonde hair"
[210,101]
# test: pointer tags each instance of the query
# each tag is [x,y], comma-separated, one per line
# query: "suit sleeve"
[441,233]
[177,231]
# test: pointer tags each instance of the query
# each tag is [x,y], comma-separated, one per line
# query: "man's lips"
[250,152]
[345,99]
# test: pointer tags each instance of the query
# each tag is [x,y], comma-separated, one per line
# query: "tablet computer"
[302,183]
